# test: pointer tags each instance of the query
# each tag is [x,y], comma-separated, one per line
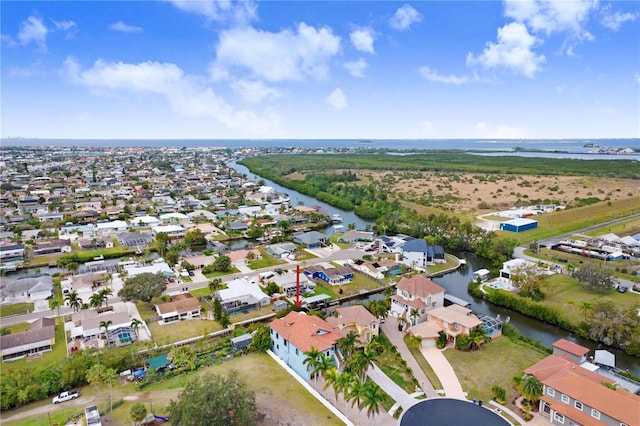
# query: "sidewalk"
[393,390]
[444,371]
[396,337]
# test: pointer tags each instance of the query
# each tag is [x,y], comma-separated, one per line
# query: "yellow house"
[358,319]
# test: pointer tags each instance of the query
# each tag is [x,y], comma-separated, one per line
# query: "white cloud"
[33,31]
[337,100]
[68,27]
[254,91]
[357,68]
[435,77]
[125,28]
[615,20]
[362,39]
[551,16]
[187,95]
[285,55]
[404,17]
[561,88]
[503,131]
[512,50]
[238,12]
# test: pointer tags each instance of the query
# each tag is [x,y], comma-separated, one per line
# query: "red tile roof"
[306,331]
[567,377]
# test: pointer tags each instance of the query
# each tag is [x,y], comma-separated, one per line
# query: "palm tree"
[342,384]
[311,360]
[360,362]
[414,315]
[105,293]
[585,307]
[372,397]
[331,379]
[531,389]
[75,301]
[215,284]
[96,300]
[325,363]
[135,324]
[347,344]
[106,325]
[356,389]
[478,337]
[55,304]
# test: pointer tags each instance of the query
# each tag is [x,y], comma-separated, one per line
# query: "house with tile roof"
[182,306]
[576,352]
[355,318]
[297,333]
[453,320]
[575,395]
[40,337]
[417,292]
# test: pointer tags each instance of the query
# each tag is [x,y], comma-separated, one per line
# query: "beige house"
[453,320]
[417,292]
[355,318]
[181,307]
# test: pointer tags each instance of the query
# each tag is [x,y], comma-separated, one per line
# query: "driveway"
[444,371]
[396,337]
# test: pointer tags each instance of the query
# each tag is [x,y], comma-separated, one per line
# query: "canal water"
[456,283]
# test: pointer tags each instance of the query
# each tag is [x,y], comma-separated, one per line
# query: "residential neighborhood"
[173,253]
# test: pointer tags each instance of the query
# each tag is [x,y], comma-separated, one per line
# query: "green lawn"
[324,289]
[217,274]
[566,294]
[451,262]
[17,328]
[255,313]
[55,356]
[495,363]
[146,310]
[629,227]
[181,330]
[422,362]
[392,364]
[264,262]
[201,292]
[273,388]
[15,309]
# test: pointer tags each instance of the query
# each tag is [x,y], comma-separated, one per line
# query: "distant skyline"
[320,70]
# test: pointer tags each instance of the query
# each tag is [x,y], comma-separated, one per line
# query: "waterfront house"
[12,253]
[575,395]
[40,337]
[577,353]
[453,320]
[417,292]
[297,333]
[134,239]
[52,247]
[333,276]
[312,239]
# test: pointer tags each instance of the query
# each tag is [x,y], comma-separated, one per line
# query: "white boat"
[336,218]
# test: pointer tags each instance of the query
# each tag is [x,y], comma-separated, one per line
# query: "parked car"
[623,289]
[65,396]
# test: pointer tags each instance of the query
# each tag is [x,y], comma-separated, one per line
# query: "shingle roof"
[42,329]
[570,347]
[306,331]
[179,304]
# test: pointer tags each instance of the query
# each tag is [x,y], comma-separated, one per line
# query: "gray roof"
[40,330]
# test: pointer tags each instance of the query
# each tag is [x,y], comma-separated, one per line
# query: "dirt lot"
[482,193]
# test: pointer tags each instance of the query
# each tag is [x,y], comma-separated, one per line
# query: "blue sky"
[319,69]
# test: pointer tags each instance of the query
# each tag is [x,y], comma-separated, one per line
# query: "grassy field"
[201,292]
[275,391]
[15,309]
[495,364]
[575,219]
[566,294]
[629,227]
[451,262]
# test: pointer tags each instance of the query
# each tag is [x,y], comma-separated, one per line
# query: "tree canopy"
[214,400]
[143,287]
[593,277]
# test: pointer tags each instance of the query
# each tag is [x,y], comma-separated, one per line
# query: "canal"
[456,283]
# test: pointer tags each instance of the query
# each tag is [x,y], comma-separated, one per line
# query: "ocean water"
[557,148]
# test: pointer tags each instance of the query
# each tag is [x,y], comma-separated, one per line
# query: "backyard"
[494,364]
[278,396]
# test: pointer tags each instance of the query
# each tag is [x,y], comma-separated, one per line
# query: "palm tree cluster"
[97,299]
[351,382]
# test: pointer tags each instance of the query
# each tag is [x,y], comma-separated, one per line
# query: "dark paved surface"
[450,412]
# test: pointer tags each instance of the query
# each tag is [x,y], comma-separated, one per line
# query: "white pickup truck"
[66,396]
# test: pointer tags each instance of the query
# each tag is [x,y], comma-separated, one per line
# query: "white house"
[145,222]
[114,226]
[173,231]
[40,337]
[417,292]
[181,307]
[241,295]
